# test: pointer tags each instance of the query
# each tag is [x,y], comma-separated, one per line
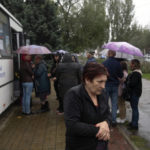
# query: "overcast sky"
[142,12]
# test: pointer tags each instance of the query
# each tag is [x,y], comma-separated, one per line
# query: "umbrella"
[62,51]
[123,47]
[118,54]
[33,49]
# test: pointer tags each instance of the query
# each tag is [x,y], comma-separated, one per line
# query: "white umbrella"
[118,54]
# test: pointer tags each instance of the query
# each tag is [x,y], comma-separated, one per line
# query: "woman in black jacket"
[134,84]
[68,74]
[86,111]
[56,60]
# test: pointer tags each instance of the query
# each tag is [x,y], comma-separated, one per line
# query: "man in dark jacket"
[42,82]
[68,74]
[90,57]
[115,72]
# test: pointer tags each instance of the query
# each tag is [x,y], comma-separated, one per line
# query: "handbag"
[126,94]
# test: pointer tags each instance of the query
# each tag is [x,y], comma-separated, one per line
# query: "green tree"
[93,24]
[120,13]
[85,26]
[140,37]
[68,10]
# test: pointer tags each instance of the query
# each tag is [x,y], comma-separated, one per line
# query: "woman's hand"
[104,131]
[33,66]
[54,78]
[49,74]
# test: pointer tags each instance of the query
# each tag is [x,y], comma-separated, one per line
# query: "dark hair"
[136,63]
[124,65]
[67,58]
[91,52]
[92,70]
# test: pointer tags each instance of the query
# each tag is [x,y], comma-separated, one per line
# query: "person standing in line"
[115,72]
[75,58]
[86,111]
[27,83]
[134,84]
[56,61]
[90,57]
[68,74]
[121,101]
[42,82]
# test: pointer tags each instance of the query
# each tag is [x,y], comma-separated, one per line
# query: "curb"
[128,139]
[6,115]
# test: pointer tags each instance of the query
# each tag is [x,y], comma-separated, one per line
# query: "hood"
[67,58]
[138,70]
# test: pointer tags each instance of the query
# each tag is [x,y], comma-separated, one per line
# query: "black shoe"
[133,128]
[28,114]
[23,113]
[114,124]
[45,107]
[129,124]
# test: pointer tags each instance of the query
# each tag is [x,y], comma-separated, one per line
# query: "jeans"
[135,112]
[112,92]
[27,90]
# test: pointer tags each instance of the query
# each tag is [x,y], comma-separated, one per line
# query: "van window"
[5,47]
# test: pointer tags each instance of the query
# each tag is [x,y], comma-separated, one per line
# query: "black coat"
[26,72]
[81,116]
[115,71]
[134,83]
[68,74]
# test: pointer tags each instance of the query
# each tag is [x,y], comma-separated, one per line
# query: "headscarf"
[23,57]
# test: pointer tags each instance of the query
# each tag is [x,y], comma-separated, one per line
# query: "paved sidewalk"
[118,141]
[44,131]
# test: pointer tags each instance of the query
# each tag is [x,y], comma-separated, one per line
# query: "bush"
[145,67]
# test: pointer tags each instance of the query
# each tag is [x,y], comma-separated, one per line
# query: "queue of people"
[83,94]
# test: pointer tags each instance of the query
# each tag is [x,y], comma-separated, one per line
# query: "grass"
[146,76]
[140,142]
[99,60]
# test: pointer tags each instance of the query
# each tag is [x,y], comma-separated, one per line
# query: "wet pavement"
[144,111]
[43,131]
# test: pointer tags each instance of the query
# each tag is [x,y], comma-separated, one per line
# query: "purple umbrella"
[123,47]
[33,49]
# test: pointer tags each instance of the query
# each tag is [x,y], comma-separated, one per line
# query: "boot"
[47,106]
[42,107]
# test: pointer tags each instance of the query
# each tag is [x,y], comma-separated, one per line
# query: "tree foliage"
[120,13]
[140,37]
[78,25]
[85,27]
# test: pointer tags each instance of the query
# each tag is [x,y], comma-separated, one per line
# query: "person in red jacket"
[27,83]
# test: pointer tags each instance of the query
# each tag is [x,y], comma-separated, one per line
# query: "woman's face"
[56,57]
[73,59]
[97,85]
[132,66]
[37,60]
[28,57]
